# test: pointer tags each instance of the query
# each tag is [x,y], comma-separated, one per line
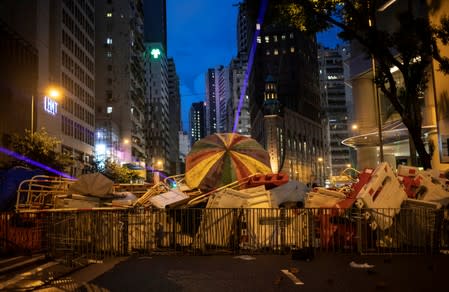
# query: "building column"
[365,117]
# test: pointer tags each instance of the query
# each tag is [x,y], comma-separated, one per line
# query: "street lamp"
[53,93]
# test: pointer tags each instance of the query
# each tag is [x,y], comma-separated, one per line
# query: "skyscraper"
[238,118]
[197,121]
[18,83]
[237,71]
[157,107]
[155,12]
[175,116]
[336,98]
[120,82]
[290,58]
[218,91]
[211,102]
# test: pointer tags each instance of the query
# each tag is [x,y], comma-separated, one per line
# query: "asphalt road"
[326,272]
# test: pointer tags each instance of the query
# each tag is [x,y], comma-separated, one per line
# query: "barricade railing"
[108,232]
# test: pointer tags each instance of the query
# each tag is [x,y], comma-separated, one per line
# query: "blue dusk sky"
[202,34]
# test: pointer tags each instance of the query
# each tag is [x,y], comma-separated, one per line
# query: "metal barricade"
[107,232]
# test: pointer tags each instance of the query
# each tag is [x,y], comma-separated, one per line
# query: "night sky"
[202,35]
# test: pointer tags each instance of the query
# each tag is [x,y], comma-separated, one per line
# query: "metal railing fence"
[97,234]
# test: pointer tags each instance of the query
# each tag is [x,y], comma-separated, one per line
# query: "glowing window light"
[100,149]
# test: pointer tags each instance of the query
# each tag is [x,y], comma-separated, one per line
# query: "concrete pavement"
[326,272]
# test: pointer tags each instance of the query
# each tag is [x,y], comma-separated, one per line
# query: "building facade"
[157,108]
[336,99]
[18,83]
[238,102]
[120,83]
[211,101]
[63,35]
[175,116]
[197,119]
[289,59]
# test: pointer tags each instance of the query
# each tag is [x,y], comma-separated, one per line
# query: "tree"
[40,147]
[410,48]
[114,171]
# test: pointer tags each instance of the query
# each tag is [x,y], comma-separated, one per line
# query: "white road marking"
[292,277]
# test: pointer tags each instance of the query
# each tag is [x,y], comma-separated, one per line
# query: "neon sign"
[155,53]
[50,106]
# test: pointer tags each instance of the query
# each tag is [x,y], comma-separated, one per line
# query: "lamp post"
[32,114]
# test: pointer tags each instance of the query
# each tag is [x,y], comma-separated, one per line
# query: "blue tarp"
[9,182]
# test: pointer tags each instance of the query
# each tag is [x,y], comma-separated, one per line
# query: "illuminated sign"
[50,106]
[155,53]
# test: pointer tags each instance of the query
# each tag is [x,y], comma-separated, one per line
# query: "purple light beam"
[252,52]
[35,163]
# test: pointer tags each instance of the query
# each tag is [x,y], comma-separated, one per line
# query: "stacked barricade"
[97,234]
[383,196]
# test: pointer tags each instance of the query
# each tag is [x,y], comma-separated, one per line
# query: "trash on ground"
[245,257]
[360,266]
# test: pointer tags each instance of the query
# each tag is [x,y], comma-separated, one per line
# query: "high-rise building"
[211,102]
[336,99]
[155,12]
[62,35]
[157,106]
[175,116]
[120,82]
[238,102]
[289,57]
[242,30]
[218,91]
[197,121]
[18,83]
[223,96]
[238,118]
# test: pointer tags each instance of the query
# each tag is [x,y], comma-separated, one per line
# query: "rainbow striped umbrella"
[220,159]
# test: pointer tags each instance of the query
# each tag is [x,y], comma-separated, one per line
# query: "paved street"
[327,272]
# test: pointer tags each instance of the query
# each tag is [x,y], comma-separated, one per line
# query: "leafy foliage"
[41,147]
[115,172]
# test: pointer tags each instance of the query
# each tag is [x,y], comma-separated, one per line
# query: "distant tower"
[175,116]
[211,102]
[237,70]
[336,98]
[272,122]
[197,121]
[158,118]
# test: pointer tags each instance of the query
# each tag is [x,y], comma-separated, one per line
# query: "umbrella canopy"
[220,159]
[93,184]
